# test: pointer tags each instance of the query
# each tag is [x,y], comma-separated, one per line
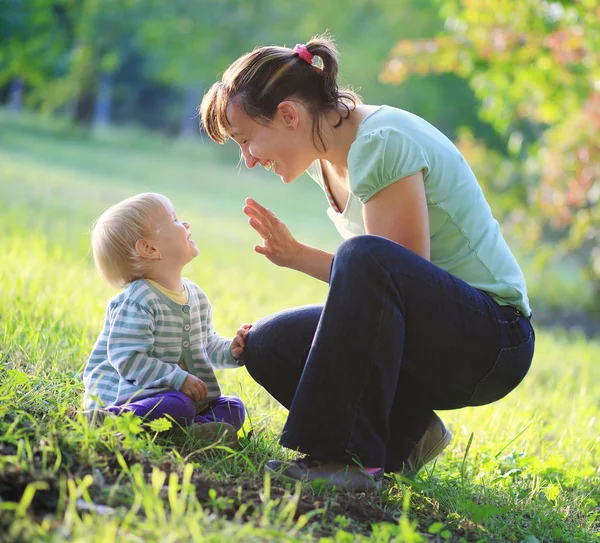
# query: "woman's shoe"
[347,477]
[436,438]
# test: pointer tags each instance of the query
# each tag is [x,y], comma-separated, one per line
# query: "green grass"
[523,469]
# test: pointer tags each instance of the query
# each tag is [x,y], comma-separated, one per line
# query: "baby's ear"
[145,249]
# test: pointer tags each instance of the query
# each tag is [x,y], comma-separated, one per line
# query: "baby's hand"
[194,387]
[239,341]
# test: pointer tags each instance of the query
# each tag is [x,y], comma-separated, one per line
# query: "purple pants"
[182,408]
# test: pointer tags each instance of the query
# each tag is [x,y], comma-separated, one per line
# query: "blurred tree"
[105,32]
[64,52]
[364,32]
[33,40]
[191,42]
[149,61]
[185,40]
[535,66]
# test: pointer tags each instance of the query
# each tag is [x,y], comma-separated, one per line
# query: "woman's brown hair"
[260,80]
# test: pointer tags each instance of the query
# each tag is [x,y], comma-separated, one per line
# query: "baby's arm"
[218,348]
[130,339]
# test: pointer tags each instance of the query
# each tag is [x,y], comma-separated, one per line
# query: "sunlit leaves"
[533,62]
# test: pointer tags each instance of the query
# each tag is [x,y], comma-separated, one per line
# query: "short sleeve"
[380,158]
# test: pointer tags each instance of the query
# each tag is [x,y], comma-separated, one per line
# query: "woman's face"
[285,143]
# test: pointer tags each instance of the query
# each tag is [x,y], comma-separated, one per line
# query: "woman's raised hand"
[279,246]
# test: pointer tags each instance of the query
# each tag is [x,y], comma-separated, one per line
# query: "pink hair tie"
[301,50]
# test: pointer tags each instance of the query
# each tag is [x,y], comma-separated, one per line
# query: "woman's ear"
[145,249]
[289,113]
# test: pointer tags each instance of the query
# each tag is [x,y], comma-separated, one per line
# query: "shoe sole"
[377,484]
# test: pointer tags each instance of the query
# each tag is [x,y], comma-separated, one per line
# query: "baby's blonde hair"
[116,233]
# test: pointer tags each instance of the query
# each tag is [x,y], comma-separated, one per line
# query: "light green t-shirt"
[465,238]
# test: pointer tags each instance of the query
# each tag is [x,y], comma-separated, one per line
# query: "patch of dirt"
[359,508]
[13,483]
[225,499]
[362,509]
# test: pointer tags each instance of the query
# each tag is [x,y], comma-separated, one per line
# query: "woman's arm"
[281,248]
[399,213]
[313,262]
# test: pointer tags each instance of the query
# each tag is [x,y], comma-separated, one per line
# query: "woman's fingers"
[254,208]
[263,231]
[264,210]
[279,246]
[253,203]
[258,216]
[258,209]
[271,215]
[261,219]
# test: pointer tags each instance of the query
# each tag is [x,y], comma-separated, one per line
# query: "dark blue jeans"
[397,338]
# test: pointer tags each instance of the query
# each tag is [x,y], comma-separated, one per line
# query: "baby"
[156,353]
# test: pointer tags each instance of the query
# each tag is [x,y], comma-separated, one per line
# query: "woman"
[427,307]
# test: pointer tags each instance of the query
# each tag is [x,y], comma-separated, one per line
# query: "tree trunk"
[103,102]
[15,100]
[188,127]
[85,108]
[596,295]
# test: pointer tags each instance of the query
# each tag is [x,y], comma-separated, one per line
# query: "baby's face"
[174,239]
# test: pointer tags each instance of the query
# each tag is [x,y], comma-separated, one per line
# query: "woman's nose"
[186,224]
[249,160]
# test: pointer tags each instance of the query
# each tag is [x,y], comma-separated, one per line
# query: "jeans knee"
[277,347]
[367,255]
[256,355]
[354,247]
[252,353]
[357,258]
[360,251]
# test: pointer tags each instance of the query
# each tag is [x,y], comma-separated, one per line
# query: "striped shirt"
[145,337]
